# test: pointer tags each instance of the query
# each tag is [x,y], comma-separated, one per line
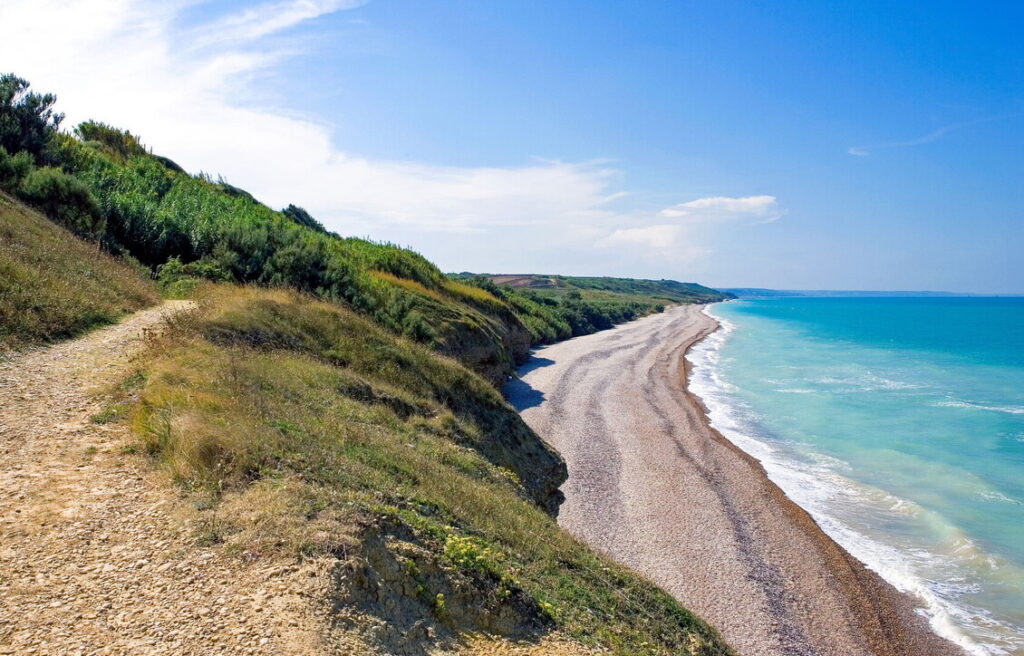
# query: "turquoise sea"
[898,423]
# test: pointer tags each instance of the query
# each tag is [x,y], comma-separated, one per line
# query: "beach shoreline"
[654,485]
[878,591]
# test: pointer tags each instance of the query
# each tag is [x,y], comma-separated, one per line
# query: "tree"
[27,119]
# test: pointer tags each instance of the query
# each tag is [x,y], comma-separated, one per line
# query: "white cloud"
[189,91]
[655,237]
[125,62]
[684,237]
[763,209]
[664,242]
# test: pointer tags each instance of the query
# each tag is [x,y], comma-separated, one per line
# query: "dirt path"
[651,485]
[91,559]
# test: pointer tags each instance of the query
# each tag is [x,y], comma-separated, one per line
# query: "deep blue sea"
[898,423]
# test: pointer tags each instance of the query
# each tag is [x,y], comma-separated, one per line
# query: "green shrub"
[303,218]
[120,143]
[64,199]
[13,169]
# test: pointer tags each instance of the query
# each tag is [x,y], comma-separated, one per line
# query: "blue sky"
[785,144]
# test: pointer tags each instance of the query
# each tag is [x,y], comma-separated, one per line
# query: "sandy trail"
[92,558]
[653,486]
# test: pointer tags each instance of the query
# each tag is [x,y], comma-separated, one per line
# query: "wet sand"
[652,485]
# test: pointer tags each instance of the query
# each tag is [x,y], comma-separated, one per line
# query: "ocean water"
[898,423]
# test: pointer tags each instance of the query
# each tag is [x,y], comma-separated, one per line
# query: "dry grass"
[54,285]
[409,285]
[473,294]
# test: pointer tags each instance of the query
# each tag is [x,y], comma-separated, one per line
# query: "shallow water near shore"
[898,423]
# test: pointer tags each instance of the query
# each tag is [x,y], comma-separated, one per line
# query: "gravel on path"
[93,559]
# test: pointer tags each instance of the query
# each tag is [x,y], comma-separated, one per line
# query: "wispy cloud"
[655,237]
[691,221]
[262,20]
[761,209]
[935,135]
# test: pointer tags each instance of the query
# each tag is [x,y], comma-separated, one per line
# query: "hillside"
[104,185]
[318,434]
[54,286]
[668,290]
[558,307]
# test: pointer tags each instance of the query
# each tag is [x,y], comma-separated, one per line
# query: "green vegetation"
[669,290]
[64,199]
[301,424]
[558,307]
[105,186]
[53,285]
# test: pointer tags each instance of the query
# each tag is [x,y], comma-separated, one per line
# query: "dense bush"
[64,199]
[303,218]
[191,227]
[13,169]
[567,313]
[119,143]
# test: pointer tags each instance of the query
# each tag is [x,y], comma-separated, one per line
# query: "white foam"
[819,489]
[994,495]
[867,382]
[1008,409]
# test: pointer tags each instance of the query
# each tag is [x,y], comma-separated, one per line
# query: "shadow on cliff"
[519,393]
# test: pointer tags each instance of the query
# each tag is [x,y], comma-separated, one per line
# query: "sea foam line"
[1008,409]
[813,490]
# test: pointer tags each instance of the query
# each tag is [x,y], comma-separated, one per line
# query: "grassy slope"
[309,430]
[54,285]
